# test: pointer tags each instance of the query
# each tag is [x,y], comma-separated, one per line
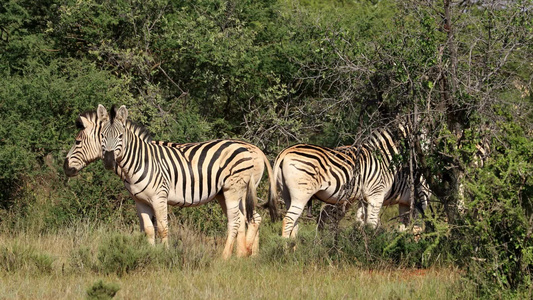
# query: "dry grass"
[252,278]
[240,280]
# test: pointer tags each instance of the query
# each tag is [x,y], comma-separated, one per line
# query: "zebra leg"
[161,216]
[252,231]
[145,213]
[234,220]
[360,215]
[252,235]
[240,234]
[234,198]
[373,208]
[290,222]
[294,231]
[294,204]
[222,203]
[242,249]
[403,211]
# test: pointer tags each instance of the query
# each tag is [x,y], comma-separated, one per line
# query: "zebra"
[399,189]
[401,192]
[88,148]
[342,176]
[186,176]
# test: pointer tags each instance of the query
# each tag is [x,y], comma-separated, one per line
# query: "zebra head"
[88,146]
[112,134]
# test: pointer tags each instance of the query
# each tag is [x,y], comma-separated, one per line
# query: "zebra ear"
[102,114]
[122,114]
[82,123]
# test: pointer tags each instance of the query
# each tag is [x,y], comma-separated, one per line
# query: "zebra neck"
[118,170]
[136,155]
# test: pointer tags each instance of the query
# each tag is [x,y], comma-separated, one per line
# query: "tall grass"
[95,257]
[104,259]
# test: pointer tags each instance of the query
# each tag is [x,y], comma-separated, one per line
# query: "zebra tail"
[272,193]
[251,200]
[271,204]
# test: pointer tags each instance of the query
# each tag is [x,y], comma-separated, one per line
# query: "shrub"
[492,239]
[208,219]
[101,290]
[191,249]
[363,247]
[121,254]
[16,258]
[82,259]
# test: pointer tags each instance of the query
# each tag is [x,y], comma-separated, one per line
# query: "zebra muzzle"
[69,171]
[109,160]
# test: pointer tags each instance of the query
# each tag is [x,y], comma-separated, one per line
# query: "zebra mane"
[139,130]
[135,128]
[113,113]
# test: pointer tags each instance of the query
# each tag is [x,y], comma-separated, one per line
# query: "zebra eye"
[78,143]
[120,136]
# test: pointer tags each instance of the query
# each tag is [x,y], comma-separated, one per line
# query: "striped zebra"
[399,190]
[88,148]
[332,214]
[342,176]
[88,145]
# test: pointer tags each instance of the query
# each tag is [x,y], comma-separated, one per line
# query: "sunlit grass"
[242,279]
[192,269]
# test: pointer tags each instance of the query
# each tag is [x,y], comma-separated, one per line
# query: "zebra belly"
[329,197]
[176,199]
[398,199]
[337,193]
[391,201]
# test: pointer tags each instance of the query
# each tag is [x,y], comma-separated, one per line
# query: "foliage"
[36,125]
[122,254]
[97,195]
[101,290]
[500,216]
[18,257]
[216,279]
[364,248]
[209,218]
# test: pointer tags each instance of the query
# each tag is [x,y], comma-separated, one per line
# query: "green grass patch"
[16,258]
[102,291]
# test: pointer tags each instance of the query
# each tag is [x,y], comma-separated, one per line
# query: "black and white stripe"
[369,173]
[88,146]
[383,179]
[157,173]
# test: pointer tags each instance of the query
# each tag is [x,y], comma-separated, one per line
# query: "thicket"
[276,73]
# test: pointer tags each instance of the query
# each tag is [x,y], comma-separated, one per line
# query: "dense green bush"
[38,125]
[102,291]
[121,254]
[499,216]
